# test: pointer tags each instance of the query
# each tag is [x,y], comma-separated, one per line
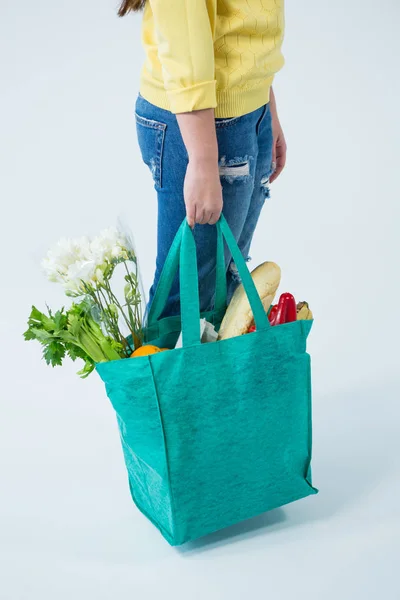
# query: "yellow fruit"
[303,312]
[145,351]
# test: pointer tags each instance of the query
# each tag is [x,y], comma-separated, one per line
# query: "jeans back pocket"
[151,141]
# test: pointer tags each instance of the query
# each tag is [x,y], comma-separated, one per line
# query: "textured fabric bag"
[213,433]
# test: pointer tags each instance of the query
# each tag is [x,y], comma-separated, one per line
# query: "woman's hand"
[279,143]
[202,189]
[202,192]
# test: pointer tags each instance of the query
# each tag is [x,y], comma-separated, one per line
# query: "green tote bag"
[213,433]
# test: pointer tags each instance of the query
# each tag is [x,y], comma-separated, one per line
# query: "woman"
[207,121]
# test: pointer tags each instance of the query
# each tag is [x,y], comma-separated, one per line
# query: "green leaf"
[74,324]
[36,315]
[53,353]
[41,335]
[75,352]
[29,335]
[117,346]
[60,320]
[75,333]
[40,320]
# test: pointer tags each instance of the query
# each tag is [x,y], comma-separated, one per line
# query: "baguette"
[239,316]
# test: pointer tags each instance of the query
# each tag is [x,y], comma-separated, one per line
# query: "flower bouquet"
[99,327]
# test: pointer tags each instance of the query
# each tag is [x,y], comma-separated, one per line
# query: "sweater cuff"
[197,97]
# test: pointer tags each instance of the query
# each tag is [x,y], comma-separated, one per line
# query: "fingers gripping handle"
[183,253]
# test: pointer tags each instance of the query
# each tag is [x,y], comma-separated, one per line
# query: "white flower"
[81,271]
[110,246]
[63,255]
[73,261]
[52,270]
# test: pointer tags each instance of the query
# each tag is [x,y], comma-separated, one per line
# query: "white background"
[70,165]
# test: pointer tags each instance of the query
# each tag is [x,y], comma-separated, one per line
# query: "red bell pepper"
[291,308]
[286,310]
[272,313]
[283,312]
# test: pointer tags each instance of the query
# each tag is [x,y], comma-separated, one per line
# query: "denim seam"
[226,123]
[150,123]
[160,149]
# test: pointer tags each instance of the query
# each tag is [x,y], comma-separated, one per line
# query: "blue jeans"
[245,163]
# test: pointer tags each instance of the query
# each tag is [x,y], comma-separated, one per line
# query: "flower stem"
[113,300]
[113,325]
[116,302]
[135,315]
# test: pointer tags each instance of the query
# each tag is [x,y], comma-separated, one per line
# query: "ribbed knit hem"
[230,103]
[238,102]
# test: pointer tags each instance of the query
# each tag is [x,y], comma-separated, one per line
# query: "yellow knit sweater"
[220,54]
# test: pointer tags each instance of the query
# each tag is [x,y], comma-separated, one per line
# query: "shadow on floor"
[246,529]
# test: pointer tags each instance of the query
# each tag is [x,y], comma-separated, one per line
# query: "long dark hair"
[130,5]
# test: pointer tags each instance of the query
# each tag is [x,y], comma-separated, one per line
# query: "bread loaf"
[239,316]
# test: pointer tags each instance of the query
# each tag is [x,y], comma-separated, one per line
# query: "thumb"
[191,215]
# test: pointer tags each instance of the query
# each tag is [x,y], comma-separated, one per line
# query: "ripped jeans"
[245,164]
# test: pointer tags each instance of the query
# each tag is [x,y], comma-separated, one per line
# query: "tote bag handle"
[171,267]
[189,284]
[183,253]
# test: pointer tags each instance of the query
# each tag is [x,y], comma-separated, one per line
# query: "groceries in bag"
[239,316]
[102,328]
[147,350]
[104,322]
[239,319]
[207,333]
[304,312]
[286,311]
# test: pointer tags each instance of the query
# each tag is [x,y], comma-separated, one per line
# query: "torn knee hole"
[234,170]
[234,270]
[265,186]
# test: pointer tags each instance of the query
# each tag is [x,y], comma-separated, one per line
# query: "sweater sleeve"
[184,30]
